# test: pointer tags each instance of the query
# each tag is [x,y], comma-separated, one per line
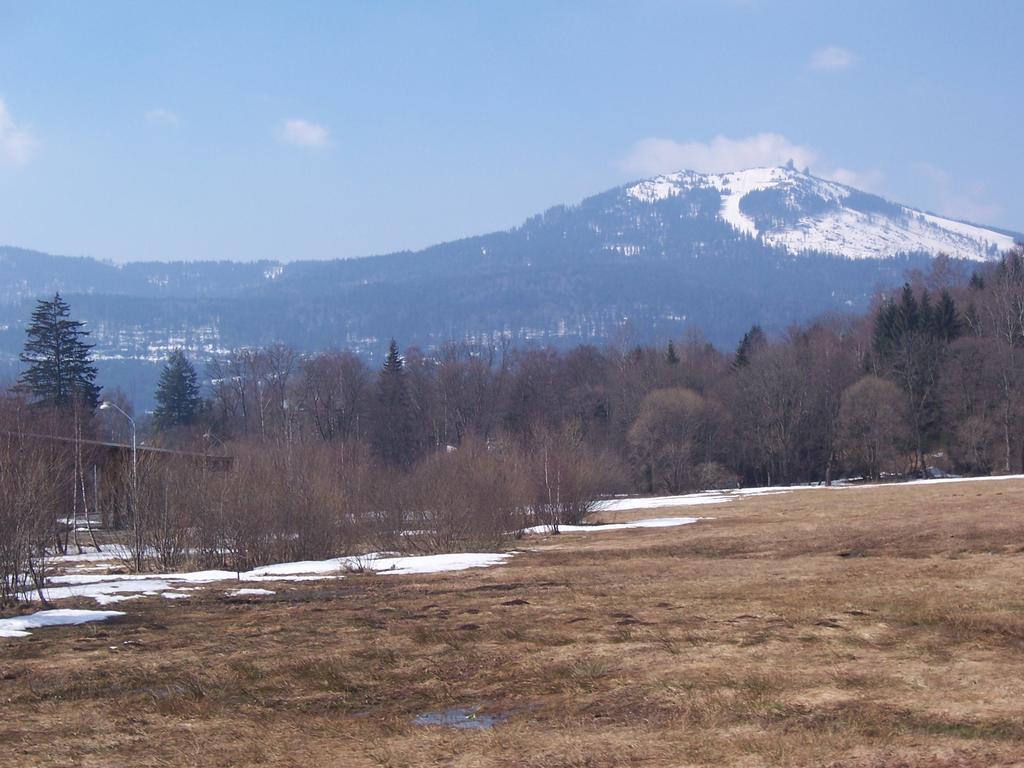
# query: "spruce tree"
[945,318]
[60,368]
[177,395]
[752,341]
[671,357]
[392,437]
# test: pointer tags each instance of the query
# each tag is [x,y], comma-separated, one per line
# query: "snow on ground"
[655,522]
[18,626]
[439,563]
[249,591]
[112,588]
[109,599]
[104,589]
[935,481]
[380,563]
[89,556]
[967,231]
[689,499]
[735,186]
[723,496]
[841,230]
[855,234]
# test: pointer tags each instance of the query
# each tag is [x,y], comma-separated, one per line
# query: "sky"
[314,130]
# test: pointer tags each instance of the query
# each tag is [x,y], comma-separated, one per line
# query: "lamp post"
[106,405]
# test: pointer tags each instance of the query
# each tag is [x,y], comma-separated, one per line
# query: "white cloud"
[653,156]
[832,58]
[958,201]
[867,181]
[302,133]
[17,144]
[161,116]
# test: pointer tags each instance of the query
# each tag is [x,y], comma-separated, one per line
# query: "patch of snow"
[735,185]
[855,234]
[656,522]
[658,188]
[418,564]
[110,588]
[720,497]
[423,564]
[935,481]
[111,599]
[97,586]
[249,591]
[969,231]
[686,500]
[84,557]
[18,626]
[331,567]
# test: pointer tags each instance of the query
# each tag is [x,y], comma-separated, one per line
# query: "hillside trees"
[673,438]
[776,411]
[872,425]
[911,338]
[334,392]
[997,307]
[771,407]
[752,341]
[470,384]
[250,391]
[830,358]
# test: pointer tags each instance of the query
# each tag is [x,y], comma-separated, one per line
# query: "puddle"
[460,717]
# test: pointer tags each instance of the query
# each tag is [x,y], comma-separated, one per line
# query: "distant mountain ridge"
[641,262]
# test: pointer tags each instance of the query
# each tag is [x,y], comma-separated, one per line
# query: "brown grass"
[857,628]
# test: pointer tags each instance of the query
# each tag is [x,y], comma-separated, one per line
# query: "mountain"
[800,213]
[641,262]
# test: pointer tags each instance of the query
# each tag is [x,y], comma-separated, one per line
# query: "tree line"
[927,380]
[463,446]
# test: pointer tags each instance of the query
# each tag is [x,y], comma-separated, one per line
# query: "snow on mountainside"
[800,212]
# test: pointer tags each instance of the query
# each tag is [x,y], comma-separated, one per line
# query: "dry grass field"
[853,627]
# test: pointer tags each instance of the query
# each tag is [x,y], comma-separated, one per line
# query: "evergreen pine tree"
[60,368]
[909,315]
[926,314]
[670,354]
[392,438]
[177,395]
[752,340]
[946,321]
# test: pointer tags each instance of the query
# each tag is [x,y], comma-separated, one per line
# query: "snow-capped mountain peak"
[799,212]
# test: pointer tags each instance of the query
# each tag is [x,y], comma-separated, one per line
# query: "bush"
[467,499]
[711,476]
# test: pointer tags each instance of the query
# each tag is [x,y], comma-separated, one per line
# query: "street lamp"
[106,405]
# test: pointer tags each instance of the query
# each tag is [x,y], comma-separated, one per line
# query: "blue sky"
[247,130]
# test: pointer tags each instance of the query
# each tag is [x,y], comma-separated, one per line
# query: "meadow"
[854,627]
